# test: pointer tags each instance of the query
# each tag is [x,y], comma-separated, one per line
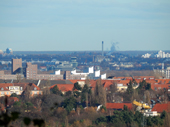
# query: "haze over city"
[73,25]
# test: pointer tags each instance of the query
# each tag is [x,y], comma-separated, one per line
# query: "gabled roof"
[107,84]
[4,86]
[125,82]
[161,107]
[32,86]
[64,87]
[118,106]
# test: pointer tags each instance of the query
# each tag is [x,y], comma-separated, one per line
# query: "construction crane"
[142,105]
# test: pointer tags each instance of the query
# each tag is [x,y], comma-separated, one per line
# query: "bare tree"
[148,97]
[19,78]
[87,81]
[86,99]
[167,122]
[111,92]
[113,87]
[66,122]
[46,88]
[100,93]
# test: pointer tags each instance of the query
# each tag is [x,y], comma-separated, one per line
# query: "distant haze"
[82,25]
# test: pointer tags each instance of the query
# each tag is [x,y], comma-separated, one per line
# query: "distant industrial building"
[31,72]
[74,62]
[164,72]
[91,74]
[162,54]
[147,55]
[7,77]
[65,66]
[9,51]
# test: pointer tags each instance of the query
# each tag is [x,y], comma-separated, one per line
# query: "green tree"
[85,94]
[149,121]
[28,106]
[83,97]
[77,86]
[55,90]
[125,108]
[138,117]
[14,95]
[130,89]
[163,114]
[17,103]
[85,89]
[77,94]
[128,116]
[70,104]
[148,86]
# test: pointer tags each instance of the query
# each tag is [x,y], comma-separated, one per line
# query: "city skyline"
[82,25]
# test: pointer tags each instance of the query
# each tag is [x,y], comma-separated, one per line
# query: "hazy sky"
[75,25]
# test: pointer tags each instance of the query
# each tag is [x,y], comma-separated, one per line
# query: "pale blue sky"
[76,25]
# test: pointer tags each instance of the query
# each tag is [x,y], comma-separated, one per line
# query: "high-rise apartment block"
[31,71]
[16,64]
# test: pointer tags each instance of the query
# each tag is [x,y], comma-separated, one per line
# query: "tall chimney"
[102,48]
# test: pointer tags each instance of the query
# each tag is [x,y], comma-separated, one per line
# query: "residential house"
[161,107]
[18,88]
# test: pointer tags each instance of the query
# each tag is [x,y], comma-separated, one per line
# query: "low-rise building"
[161,107]
[19,88]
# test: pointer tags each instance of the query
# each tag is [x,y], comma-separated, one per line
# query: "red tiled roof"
[2,107]
[150,81]
[11,100]
[165,81]
[5,86]
[118,105]
[93,84]
[34,86]
[159,86]
[74,81]
[107,84]
[64,87]
[123,82]
[161,107]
